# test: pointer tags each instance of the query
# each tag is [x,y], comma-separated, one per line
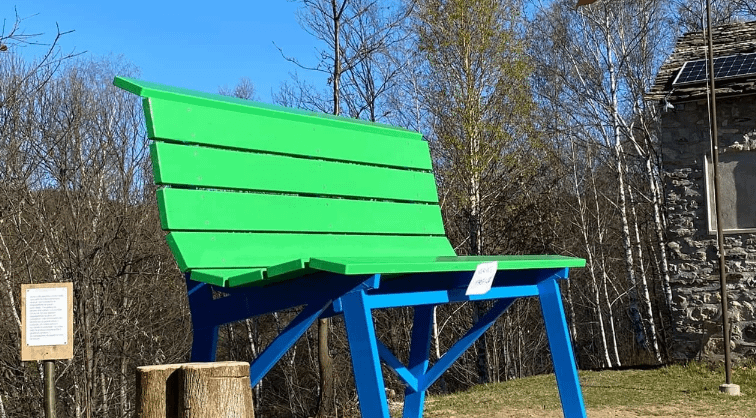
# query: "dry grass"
[675,391]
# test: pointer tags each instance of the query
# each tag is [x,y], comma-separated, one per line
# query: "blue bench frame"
[327,294]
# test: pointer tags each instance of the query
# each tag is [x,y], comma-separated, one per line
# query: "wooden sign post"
[47,330]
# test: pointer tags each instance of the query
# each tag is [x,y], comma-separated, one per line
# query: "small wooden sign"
[46,321]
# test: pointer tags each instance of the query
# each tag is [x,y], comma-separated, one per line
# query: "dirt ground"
[656,412]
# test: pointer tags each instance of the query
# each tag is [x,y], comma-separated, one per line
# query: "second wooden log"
[215,390]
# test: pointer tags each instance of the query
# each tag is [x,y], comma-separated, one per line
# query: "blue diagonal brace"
[401,370]
[465,342]
[276,349]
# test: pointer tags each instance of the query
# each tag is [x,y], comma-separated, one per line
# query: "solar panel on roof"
[724,67]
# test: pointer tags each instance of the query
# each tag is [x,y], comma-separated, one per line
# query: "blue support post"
[561,349]
[366,362]
[204,337]
[204,344]
[422,328]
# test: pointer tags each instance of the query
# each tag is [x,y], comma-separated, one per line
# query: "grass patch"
[678,390]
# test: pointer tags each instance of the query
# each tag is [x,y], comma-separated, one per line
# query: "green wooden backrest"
[252,191]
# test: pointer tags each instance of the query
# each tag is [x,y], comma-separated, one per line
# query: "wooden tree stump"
[194,390]
[157,391]
[215,390]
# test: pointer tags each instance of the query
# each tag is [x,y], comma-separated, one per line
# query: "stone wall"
[694,262]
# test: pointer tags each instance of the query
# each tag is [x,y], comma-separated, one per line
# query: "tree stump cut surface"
[215,390]
[194,390]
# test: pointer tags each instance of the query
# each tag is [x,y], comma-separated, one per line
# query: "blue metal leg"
[561,349]
[365,361]
[204,344]
[205,337]
[422,328]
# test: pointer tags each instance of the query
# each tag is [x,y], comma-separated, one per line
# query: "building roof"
[731,39]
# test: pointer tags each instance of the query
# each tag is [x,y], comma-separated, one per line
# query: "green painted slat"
[423,264]
[288,267]
[197,166]
[201,250]
[284,133]
[270,279]
[186,209]
[228,277]
[245,279]
[161,91]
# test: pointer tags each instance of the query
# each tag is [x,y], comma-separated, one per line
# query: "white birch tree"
[603,56]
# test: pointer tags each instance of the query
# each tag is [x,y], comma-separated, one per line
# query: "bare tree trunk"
[645,297]
[252,339]
[476,246]
[660,227]
[610,315]
[659,224]
[435,333]
[599,313]
[475,219]
[123,404]
[78,397]
[2,407]
[103,395]
[325,361]
[8,286]
[481,350]
[571,316]
[635,316]
[605,279]
[589,255]
[508,346]
[442,379]
[336,76]
[88,352]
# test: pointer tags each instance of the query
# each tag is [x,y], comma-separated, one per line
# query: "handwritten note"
[482,278]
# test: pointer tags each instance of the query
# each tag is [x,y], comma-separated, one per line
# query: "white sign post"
[47,330]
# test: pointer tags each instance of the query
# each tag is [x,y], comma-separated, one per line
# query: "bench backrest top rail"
[194,117]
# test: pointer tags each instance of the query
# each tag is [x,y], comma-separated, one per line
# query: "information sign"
[46,321]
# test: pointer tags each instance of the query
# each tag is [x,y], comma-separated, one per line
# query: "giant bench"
[277,208]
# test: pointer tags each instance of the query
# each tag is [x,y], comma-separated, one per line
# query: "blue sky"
[191,44]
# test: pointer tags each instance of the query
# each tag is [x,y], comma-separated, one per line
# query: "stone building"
[681,94]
